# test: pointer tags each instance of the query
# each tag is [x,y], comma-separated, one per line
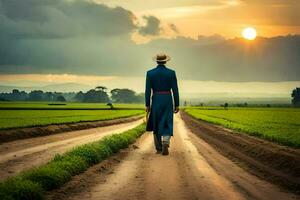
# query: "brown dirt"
[276,163]
[23,133]
[24,154]
[193,170]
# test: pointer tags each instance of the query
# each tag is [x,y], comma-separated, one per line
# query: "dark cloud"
[152,26]
[81,37]
[213,58]
[207,58]
[28,10]
[62,18]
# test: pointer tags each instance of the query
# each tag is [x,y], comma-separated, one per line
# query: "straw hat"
[161,57]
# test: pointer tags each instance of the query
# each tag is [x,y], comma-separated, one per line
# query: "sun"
[249,33]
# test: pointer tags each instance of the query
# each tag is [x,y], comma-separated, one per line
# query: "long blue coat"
[160,119]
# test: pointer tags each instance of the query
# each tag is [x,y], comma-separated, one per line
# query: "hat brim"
[168,58]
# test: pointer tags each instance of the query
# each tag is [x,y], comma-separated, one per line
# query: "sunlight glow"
[249,33]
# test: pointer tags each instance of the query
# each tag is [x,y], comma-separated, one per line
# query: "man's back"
[161,78]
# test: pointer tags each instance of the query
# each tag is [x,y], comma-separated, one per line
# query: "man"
[161,82]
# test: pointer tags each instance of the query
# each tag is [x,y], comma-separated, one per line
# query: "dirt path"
[24,154]
[39,131]
[193,170]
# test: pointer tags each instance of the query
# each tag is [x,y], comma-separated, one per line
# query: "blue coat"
[160,119]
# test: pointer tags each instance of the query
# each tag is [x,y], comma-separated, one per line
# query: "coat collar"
[161,65]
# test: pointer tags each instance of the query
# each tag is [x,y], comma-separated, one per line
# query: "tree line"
[296,97]
[99,94]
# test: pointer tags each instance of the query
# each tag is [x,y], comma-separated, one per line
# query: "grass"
[23,105]
[29,118]
[32,184]
[281,125]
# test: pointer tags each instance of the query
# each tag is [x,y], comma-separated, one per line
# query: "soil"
[193,170]
[20,155]
[276,163]
[23,133]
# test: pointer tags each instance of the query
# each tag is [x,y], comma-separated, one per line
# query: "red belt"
[162,92]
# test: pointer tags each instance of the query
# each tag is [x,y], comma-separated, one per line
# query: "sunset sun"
[249,33]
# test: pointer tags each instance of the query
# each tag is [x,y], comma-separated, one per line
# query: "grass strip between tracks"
[33,184]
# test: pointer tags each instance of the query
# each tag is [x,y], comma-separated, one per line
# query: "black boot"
[165,149]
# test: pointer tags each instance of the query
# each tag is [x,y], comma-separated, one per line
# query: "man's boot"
[165,148]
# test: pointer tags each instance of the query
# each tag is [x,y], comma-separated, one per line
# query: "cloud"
[85,38]
[266,59]
[257,12]
[271,2]
[150,5]
[62,18]
[205,58]
[152,26]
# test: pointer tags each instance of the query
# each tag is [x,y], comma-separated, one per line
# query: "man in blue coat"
[161,83]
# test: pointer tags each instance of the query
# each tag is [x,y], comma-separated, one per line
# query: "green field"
[16,115]
[68,106]
[281,125]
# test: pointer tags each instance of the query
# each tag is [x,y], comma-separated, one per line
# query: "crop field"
[281,125]
[16,115]
[67,106]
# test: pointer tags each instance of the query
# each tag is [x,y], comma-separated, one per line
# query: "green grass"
[68,106]
[281,125]
[32,184]
[30,118]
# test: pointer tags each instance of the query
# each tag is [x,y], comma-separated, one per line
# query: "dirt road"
[193,170]
[25,154]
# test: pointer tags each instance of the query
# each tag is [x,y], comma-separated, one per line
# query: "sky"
[226,17]
[113,41]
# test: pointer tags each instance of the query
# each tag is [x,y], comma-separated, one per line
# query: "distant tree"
[15,95]
[101,88]
[23,95]
[79,96]
[124,96]
[268,106]
[96,96]
[140,98]
[226,106]
[36,95]
[296,97]
[60,98]
[246,104]
[49,96]
[15,91]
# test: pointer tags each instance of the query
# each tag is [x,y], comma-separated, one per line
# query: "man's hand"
[147,109]
[176,110]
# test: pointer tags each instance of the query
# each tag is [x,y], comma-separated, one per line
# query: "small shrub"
[73,164]
[86,152]
[49,176]
[20,189]
[103,150]
[114,142]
